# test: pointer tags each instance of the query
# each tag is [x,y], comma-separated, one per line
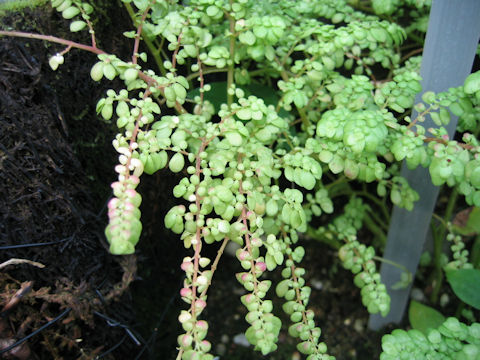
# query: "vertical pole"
[450,45]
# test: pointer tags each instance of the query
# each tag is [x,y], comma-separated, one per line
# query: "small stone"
[241,340]
[359,326]
[444,300]
[417,295]
[225,338]
[317,284]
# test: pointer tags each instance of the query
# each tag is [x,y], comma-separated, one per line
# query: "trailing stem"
[90,48]
[231,64]
[436,278]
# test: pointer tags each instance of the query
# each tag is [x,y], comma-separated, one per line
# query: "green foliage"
[423,317]
[74,9]
[472,225]
[18,5]
[274,117]
[445,335]
[451,340]
[466,285]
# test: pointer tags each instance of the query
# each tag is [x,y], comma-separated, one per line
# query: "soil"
[54,160]
[55,167]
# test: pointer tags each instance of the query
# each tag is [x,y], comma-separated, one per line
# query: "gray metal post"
[450,44]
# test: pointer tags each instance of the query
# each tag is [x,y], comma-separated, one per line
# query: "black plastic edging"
[449,51]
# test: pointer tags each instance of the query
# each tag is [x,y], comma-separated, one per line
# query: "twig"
[24,290]
[138,35]
[21,341]
[411,53]
[14,261]
[53,39]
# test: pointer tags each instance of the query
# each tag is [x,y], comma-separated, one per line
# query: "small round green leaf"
[77,25]
[472,83]
[177,163]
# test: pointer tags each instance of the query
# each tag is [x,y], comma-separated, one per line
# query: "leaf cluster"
[260,167]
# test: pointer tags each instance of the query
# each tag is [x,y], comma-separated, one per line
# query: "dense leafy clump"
[452,340]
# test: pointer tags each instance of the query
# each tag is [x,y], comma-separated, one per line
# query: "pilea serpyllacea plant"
[272,112]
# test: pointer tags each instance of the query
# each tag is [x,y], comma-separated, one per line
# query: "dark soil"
[54,171]
[55,167]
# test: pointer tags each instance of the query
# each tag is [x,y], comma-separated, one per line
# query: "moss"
[18,5]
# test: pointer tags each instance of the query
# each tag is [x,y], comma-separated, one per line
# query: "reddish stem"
[54,39]
[198,245]
[441,141]
[202,79]
[215,263]
[174,56]
[138,35]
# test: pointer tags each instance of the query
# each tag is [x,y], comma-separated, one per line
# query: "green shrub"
[275,113]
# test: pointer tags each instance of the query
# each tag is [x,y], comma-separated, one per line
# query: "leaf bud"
[260,266]
[184,316]
[77,25]
[204,261]
[70,12]
[283,287]
[243,276]
[288,307]
[130,74]
[296,316]
[205,346]
[201,325]
[170,94]
[305,347]
[107,111]
[200,305]
[257,324]
[264,285]
[246,264]
[249,286]
[295,329]
[177,163]
[248,299]
[61,5]
[202,280]
[187,266]
[290,294]
[267,306]
[109,71]
[243,255]
[185,292]
[256,242]
[185,340]
[55,61]
[223,226]
[252,316]
[187,325]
